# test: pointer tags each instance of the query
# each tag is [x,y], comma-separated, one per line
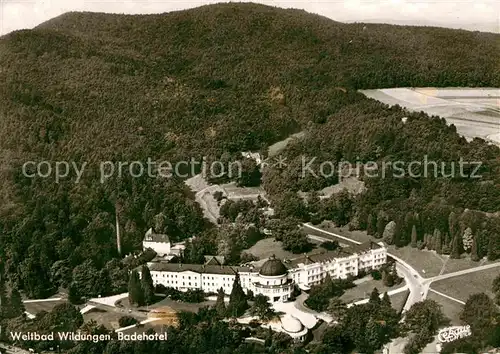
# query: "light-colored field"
[36,307]
[364,289]
[455,265]
[427,263]
[232,191]
[463,286]
[474,111]
[108,319]
[204,195]
[266,247]
[398,300]
[356,235]
[278,147]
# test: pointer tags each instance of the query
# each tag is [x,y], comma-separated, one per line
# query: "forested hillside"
[214,80]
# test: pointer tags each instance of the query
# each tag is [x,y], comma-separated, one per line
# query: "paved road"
[410,274]
[418,286]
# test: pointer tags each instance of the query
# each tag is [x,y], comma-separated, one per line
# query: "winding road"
[418,286]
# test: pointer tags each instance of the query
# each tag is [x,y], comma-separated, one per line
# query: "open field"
[266,247]
[359,236]
[364,289]
[36,307]
[108,319]
[232,191]
[204,195]
[463,286]
[179,306]
[474,111]
[451,309]
[398,300]
[455,265]
[278,147]
[427,263]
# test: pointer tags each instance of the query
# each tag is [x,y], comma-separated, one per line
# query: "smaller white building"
[290,325]
[293,327]
[160,243]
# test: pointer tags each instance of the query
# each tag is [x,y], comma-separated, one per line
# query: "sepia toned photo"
[268,177]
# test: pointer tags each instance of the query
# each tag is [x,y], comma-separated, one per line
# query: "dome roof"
[291,324]
[273,267]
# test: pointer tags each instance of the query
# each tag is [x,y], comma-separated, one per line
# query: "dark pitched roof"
[197,268]
[365,246]
[319,257]
[214,260]
[151,236]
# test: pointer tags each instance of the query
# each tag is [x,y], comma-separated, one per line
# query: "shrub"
[125,321]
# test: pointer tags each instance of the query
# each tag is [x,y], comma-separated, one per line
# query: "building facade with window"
[275,279]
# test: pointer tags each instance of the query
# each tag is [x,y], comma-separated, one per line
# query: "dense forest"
[212,82]
[446,212]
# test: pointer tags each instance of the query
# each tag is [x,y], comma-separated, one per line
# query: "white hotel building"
[275,278]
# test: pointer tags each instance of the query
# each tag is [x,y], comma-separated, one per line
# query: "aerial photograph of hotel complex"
[274,177]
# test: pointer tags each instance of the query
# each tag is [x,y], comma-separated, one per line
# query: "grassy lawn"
[451,309]
[179,306]
[268,246]
[364,289]
[399,300]
[108,319]
[455,265]
[356,235]
[36,307]
[427,263]
[461,287]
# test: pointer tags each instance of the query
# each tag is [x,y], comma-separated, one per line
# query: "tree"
[495,286]
[382,221]
[126,321]
[296,242]
[376,274]
[389,232]
[374,335]
[262,308]
[375,297]
[147,286]
[220,306]
[438,241]
[330,245]
[474,251]
[479,312]
[313,202]
[237,299]
[426,315]
[63,318]
[455,248]
[250,174]
[14,304]
[135,294]
[371,225]
[337,308]
[467,239]
[386,301]
[414,236]
[74,296]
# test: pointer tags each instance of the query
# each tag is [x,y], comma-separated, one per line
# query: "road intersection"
[418,286]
